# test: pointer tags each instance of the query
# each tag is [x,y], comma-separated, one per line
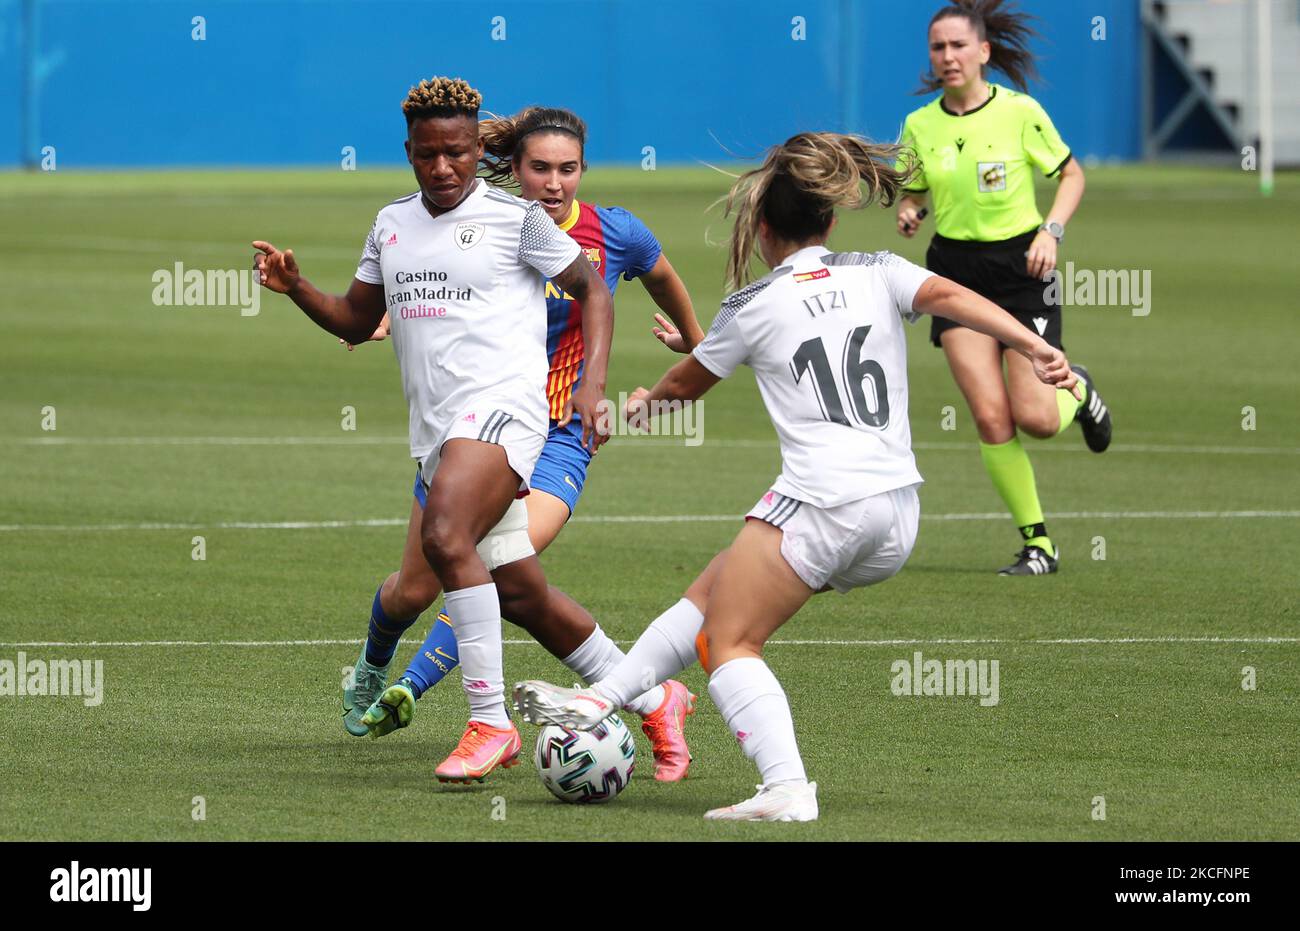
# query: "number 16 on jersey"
[863,379]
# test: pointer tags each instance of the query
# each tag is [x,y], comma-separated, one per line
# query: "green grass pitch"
[1143,704]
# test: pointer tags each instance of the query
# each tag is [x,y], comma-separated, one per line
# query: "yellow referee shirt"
[979,167]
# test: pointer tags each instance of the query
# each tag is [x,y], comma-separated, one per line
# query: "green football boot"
[392,710]
[367,684]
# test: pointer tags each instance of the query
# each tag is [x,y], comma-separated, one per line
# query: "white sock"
[754,706]
[477,611]
[595,659]
[665,649]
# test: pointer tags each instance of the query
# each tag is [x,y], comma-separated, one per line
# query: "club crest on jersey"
[593,255]
[992,176]
[468,234]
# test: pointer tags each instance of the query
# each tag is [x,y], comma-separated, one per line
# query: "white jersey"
[824,335]
[466,300]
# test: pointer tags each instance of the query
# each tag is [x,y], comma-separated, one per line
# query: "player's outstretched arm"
[352,317]
[580,280]
[669,293]
[944,298]
[688,380]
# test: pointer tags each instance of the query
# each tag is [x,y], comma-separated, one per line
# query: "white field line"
[218,525]
[1070,641]
[211,441]
[626,442]
[630,519]
[1035,447]
[179,198]
[978,515]
[240,252]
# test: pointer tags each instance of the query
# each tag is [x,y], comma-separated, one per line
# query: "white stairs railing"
[1219,43]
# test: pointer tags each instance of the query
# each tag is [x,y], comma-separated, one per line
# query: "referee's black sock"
[1036,535]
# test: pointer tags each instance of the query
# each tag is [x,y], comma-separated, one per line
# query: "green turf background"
[1164,731]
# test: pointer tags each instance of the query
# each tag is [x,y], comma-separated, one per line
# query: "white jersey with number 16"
[824,335]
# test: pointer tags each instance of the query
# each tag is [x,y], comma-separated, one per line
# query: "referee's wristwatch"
[1056,230]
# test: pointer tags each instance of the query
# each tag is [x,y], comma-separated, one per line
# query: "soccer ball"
[583,767]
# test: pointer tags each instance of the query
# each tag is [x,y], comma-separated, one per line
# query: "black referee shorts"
[996,270]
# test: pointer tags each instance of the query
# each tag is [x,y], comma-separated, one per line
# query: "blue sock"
[435,658]
[381,644]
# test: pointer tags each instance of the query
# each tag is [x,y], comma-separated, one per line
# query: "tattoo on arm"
[573,279]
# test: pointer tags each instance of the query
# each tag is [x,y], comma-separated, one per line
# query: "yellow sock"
[1069,405]
[1013,476]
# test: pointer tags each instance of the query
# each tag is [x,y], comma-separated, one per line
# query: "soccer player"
[542,150]
[976,147]
[823,333]
[461,267]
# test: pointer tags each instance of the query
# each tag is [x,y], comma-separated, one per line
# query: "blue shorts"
[561,469]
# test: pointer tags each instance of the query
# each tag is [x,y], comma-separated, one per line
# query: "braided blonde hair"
[800,185]
[437,97]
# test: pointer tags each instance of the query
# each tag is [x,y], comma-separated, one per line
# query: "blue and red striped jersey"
[619,246]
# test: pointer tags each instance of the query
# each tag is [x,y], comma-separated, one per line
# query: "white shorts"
[491,423]
[508,541]
[847,546]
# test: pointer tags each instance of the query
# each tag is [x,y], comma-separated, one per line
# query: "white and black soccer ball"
[584,767]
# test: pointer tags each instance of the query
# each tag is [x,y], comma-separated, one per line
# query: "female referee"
[542,150]
[976,147]
[823,333]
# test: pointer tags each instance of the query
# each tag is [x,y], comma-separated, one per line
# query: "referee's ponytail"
[503,138]
[800,185]
[1007,32]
